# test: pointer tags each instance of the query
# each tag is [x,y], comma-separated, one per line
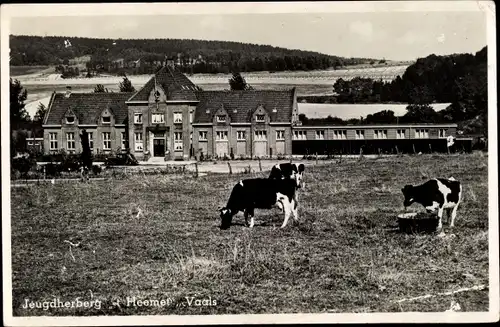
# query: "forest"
[192,56]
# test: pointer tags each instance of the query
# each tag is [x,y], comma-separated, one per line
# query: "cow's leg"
[250,211]
[287,209]
[294,209]
[440,223]
[246,217]
[453,216]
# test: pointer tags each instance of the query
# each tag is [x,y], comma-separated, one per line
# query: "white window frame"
[91,140]
[191,117]
[421,133]
[260,135]
[443,134]
[360,134]
[53,141]
[137,118]
[124,140]
[260,120]
[280,135]
[70,141]
[380,134]
[106,122]
[241,135]
[300,135]
[157,118]
[401,134]
[70,123]
[221,136]
[106,141]
[138,142]
[177,117]
[320,134]
[221,118]
[339,134]
[202,136]
[178,141]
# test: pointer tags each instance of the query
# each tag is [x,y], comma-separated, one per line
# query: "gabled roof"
[278,105]
[87,107]
[176,85]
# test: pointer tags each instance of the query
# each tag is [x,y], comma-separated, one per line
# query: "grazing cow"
[260,193]
[436,194]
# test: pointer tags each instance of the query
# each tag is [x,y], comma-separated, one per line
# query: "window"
[70,141]
[124,140]
[221,136]
[442,132]
[280,135]
[260,118]
[260,135]
[202,135]
[137,118]
[240,135]
[139,146]
[70,120]
[191,115]
[177,118]
[421,133]
[221,118]
[106,141]
[400,133]
[380,134]
[106,120]
[360,134]
[320,135]
[158,118]
[91,140]
[53,141]
[340,134]
[299,135]
[178,141]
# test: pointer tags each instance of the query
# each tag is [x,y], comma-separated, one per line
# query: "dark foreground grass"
[344,256]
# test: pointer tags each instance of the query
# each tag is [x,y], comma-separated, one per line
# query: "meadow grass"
[157,237]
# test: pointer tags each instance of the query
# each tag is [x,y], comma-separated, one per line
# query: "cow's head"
[226,217]
[408,194]
[298,175]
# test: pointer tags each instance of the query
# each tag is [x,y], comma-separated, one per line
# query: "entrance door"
[159,147]
[222,148]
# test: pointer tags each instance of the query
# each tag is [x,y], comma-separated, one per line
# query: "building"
[253,123]
[103,115]
[170,118]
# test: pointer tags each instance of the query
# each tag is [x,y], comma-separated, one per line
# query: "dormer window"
[221,118]
[178,117]
[106,120]
[260,118]
[70,120]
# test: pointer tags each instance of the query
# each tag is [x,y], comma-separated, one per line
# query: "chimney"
[68,92]
[170,63]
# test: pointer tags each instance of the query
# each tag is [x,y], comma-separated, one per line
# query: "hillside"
[194,56]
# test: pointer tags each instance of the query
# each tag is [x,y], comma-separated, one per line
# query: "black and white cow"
[260,193]
[289,170]
[436,195]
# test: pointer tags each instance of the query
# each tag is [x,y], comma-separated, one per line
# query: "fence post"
[260,165]
[196,167]
[430,148]
[230,170]
[414,152]
[397,150]
[360,153]
[44,172]
[316,157]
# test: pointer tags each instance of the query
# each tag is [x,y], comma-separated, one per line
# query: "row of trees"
[193,56]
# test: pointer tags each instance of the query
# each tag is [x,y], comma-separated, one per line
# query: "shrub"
[23,164]
[96,170]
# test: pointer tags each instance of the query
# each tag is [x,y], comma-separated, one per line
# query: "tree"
[18,113]
[86,156]
[40,114]
[99,88]
[237,82]
[126,85]
[420,113]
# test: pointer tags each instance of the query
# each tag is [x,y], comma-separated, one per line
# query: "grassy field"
[28,70]
[345,255]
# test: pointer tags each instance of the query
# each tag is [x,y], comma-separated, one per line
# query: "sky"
[405,35]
